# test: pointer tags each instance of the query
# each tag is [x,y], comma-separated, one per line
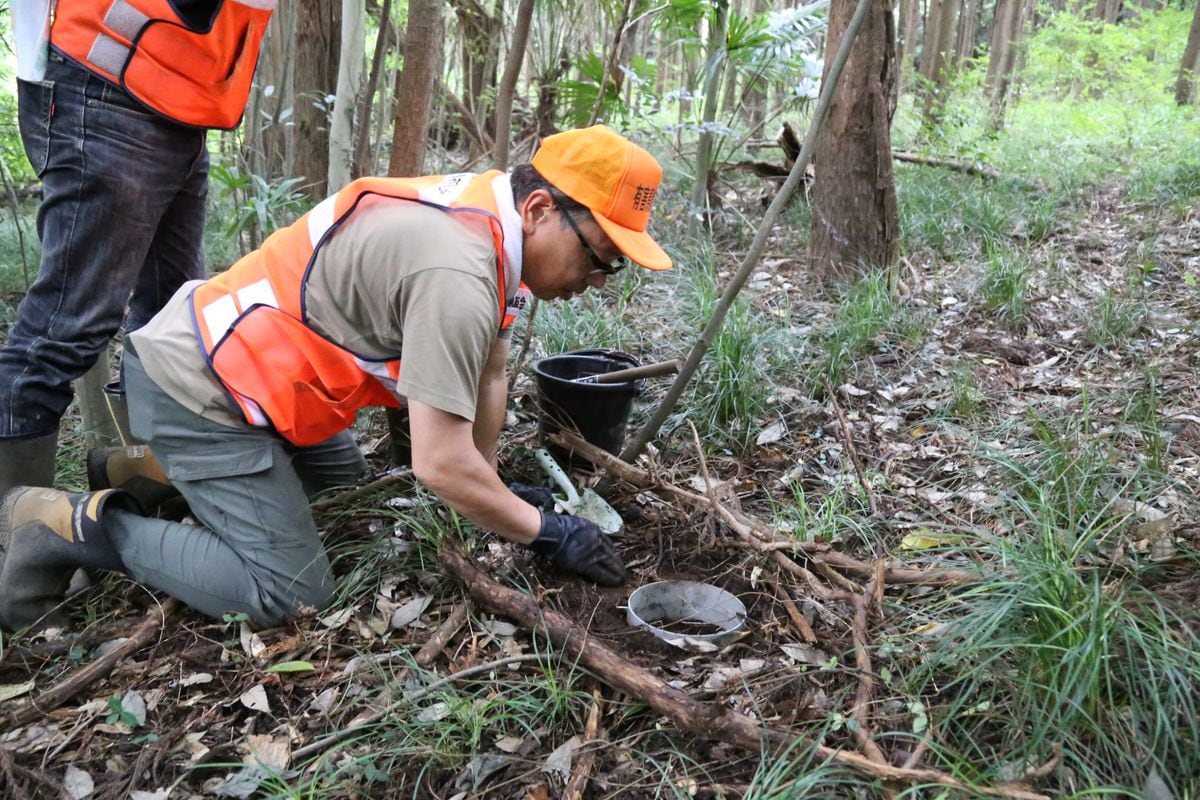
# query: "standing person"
[392,290]
[114,101]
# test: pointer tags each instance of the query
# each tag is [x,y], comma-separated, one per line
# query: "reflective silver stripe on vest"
[320,219]
[108,55]
[125,20]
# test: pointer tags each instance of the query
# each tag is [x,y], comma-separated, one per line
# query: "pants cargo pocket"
[227,462]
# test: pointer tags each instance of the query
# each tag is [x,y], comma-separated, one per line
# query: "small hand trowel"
[590,506]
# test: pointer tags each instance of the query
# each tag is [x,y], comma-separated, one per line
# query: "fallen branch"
[708,720]
[957,166]
[86,676]
[756,533]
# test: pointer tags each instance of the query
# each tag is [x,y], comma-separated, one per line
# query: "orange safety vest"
[196,77]
[252,325]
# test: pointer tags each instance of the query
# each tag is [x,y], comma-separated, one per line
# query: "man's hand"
[576,545]
[537,496]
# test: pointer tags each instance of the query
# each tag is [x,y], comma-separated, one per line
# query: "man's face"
[556,263]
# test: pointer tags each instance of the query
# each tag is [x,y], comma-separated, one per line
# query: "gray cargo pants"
[257,550]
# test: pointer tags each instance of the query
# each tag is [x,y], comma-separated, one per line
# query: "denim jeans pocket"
[35,103]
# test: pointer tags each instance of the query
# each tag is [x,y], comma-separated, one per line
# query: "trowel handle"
[633,373]
[556,472]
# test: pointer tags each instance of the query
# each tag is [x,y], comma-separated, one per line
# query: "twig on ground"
[921,749]
[710,720]
[581,774]
[1037,773]
[86,676]
[865,692]
[350,495]
[442,636]
[848,437]
[801,624]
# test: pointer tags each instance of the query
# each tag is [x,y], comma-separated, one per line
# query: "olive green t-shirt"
[396,279]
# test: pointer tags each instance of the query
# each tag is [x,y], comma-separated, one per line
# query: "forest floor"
[1057,412]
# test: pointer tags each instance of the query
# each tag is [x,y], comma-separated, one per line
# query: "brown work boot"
[45,535]
[137,471]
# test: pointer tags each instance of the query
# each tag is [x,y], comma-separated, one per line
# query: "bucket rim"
[633,361]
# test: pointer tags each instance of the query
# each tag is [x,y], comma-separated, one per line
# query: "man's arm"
[447,459]
[493,401]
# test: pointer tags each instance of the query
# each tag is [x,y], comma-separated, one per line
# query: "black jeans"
[121,225]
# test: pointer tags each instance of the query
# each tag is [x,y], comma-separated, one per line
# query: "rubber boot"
[45,535]
[27,462]
[134,469]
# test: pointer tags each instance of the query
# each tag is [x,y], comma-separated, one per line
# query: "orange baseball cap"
[614,178]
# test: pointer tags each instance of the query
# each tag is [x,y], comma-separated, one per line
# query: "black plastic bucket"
[598,412]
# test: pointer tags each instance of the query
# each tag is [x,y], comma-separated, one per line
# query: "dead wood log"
[755,532]
[957,166]
[708,720]
[86,676]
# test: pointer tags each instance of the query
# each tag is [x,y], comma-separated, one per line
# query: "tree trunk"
[350,70]
[480,55]
[967,25]
[756,90]
[547,103]
[729,94]
[855,219]
[363,162]
[423,38]
[414,86]
[998,44]
[634,32]
[318,24]
[1108,11]
[611,68]
[272,152]
[1185,84]
[508,84]
[939,43]
[1009,25]
[712,89]
[906,51]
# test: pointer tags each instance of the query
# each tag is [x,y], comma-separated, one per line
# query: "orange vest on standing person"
[195,77]
[252,324]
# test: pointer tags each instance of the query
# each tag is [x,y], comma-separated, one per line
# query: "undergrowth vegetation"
[1017,398]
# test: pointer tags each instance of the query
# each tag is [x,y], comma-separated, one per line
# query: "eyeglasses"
[598,265]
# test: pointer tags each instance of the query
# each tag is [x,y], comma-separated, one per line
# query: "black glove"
[536,496]
[576,545]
